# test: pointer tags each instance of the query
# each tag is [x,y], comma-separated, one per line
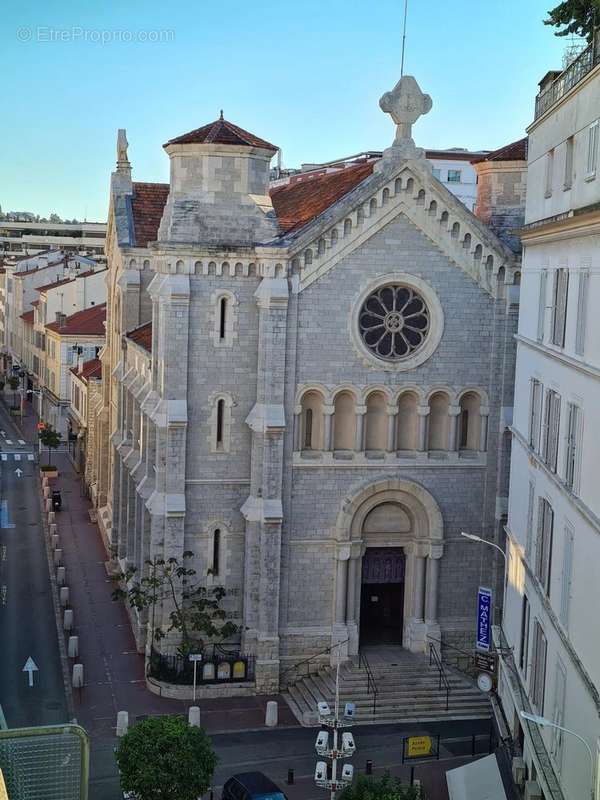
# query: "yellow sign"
[3,792]
[419,746]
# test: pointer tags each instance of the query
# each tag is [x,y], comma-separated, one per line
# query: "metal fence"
[218,665]
[45,763]
[571,76]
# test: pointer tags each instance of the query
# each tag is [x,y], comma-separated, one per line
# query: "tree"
[578,17]
[14,382]
[50,438]
[367,787]
[164,757]
[196,610]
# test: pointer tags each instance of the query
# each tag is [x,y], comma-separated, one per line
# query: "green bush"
[369,787]
[164,757]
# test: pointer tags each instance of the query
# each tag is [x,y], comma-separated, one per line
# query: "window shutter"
[542,305]
[592,148]
[554,430]
[530,510]
[584,279]
[564,298]
[546,425]
[578,440]
[547,539]
[554,314]
[558,711]
[567,573]
[539,538]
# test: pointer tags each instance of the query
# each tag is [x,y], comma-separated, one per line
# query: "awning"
[480,780]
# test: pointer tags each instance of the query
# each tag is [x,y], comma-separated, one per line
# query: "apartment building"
[26,238]
[550,665]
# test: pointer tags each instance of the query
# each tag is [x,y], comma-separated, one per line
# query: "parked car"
[251,786]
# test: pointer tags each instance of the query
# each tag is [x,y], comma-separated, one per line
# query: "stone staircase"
[407,691]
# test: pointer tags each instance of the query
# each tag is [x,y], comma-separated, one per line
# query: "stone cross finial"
[122,145]
[405,104]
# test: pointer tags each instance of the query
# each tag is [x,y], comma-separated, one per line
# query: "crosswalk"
[17,457]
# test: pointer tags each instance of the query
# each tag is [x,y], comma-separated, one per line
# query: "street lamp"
[472,537]
[543,722]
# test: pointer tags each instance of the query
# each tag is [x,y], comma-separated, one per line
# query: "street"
[27,619]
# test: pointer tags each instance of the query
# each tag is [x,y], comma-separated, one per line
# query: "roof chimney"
[61,319]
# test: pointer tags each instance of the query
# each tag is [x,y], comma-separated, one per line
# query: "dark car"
[251,786]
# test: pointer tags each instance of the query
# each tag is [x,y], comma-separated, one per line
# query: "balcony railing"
[571,76]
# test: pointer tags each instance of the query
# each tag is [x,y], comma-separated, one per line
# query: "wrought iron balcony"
[577,69]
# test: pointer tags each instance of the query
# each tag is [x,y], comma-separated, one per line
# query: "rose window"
[394,322]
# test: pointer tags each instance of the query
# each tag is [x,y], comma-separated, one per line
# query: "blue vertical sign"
[484,620]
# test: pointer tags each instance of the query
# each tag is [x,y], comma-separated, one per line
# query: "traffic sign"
[419,746]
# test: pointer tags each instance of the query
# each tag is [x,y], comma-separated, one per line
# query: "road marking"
[22,441]
[3,593]
[3,552]
[4,457]
[30,457]
[30,667]
[17,456]
[18,472]
[3,434]
[4,523]
[9,441]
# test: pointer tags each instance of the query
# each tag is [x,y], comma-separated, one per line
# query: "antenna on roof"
[403,38]
[221,114]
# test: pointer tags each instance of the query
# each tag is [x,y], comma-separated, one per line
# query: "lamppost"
[543,722]
[473,538]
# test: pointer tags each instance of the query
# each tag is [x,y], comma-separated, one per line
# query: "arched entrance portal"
[390,540]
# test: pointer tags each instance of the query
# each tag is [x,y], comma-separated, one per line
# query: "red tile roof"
[297,203]
[61,282]
[89,322]
[515,151]
[28,316]
[89,369]
[222,132]
[147,204]
[142,336]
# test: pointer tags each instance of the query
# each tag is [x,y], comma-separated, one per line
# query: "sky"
[306,76]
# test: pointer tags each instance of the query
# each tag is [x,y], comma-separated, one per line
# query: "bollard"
[122,723]
[60,576]
[77,679]
[271,715]
[54,541]
[73,646]
[194,716]
[48,505]
[46,492]
[53,529]
[51,517]
[64,596]
[369,767]
[290,777]
[68,619]
[57,557]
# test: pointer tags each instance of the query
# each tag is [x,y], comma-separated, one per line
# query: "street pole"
[194,692]
[473,538]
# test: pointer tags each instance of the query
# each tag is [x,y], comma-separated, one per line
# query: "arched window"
[222,318]
[432,208]
[409,185]
[408,422]
[311,427]
[360,216]
[500,283]
[437,438]
[334,236]
[397,185]
[221,425]
[517,279]
[385,196]
[444,218]
[372,206]
[347,226]
[344,422]
[321,247]
[307,257]
[421,197]
[216,551]
[470,422]
[377,422]
[467,241]
[478,253]
[455,232]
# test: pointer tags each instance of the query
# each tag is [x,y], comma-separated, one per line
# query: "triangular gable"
[410,189]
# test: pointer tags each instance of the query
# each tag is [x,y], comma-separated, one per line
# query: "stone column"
[353,596]
[419,566]
[361,412]
[392,419]
[341,577]
[415,629]
[328,435]
[484,411]
[431,593]
[422,413]
[454,413]
[297,428]
[340,629]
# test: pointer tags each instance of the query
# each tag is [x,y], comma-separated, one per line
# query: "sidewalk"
[113,669]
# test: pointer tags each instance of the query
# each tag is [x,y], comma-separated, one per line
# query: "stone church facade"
[309,389]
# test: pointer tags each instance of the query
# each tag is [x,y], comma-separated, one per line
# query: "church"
[309,387]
